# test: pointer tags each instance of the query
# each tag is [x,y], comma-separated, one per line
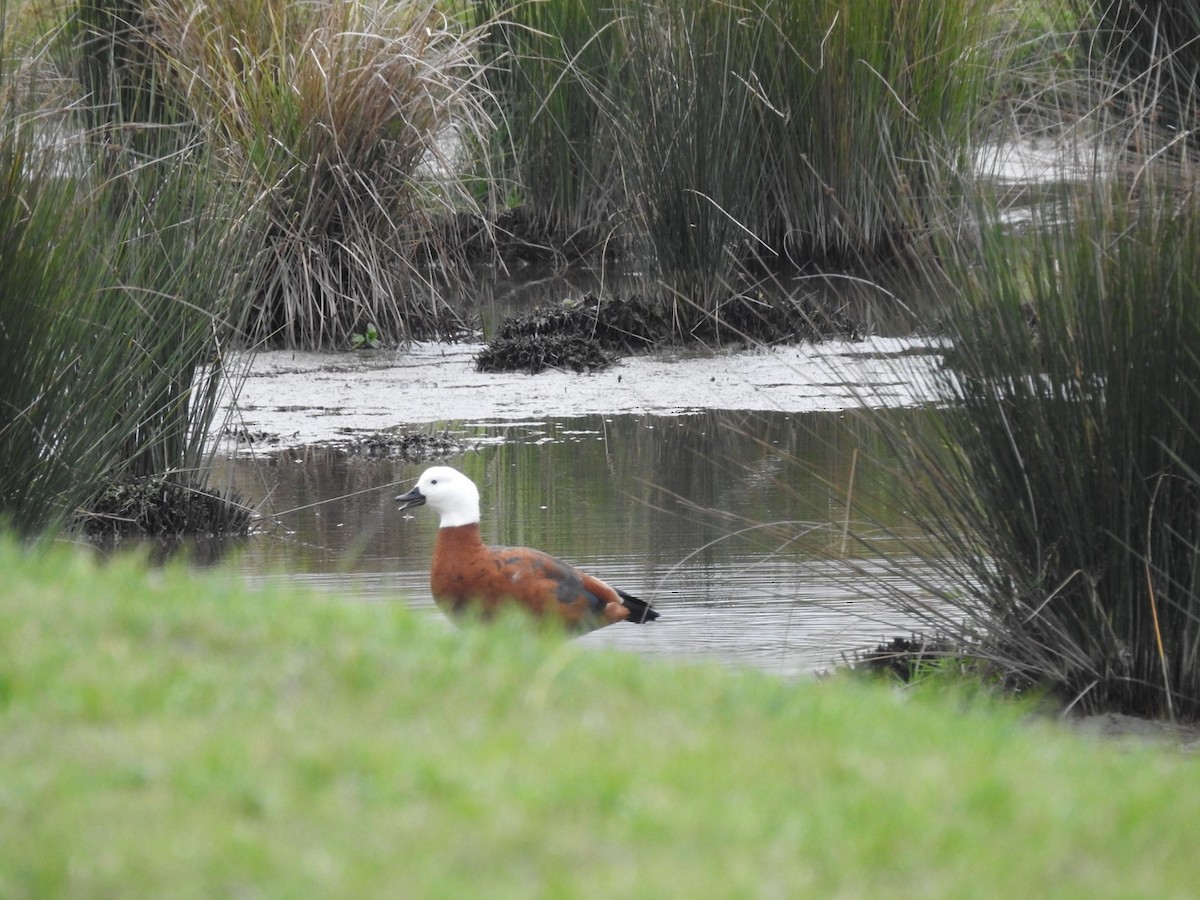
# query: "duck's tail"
[640,612]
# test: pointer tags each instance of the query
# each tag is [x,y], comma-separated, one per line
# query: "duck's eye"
[434,481]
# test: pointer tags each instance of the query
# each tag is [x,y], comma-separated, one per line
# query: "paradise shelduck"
[469,576]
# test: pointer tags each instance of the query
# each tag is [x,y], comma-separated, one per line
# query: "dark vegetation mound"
[416,446]
[535,353]
[905,658]
[758,320]
[590,334]
[908,659]
[248,437]
[155,506]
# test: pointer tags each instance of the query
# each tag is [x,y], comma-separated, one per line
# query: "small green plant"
[367,339]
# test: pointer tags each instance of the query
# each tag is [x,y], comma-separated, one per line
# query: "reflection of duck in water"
[469,576]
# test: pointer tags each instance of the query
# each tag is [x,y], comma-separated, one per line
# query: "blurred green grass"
[182,734]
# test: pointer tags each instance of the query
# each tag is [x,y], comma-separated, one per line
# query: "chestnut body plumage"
[469,576]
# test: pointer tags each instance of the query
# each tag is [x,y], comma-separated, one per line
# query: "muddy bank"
[292,398]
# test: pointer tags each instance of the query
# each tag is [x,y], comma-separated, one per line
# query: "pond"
[732,521]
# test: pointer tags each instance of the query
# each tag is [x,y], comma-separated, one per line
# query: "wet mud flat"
[294,398]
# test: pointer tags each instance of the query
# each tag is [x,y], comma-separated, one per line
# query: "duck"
[468,577]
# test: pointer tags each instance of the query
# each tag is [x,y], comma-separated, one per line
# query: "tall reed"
[106,49]
[344,117]
[115,271]
[1060,481]
[695,143]
[54,435]
[556,70]
[796,130]
[176,264]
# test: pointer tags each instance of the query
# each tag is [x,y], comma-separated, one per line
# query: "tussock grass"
[1058,483]
[810,125]
[1146,50]
[193,737]
[709,136]
[43,268]
[102,43]
[343,117]
[1041,90]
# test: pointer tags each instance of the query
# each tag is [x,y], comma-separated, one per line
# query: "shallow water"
[732,523]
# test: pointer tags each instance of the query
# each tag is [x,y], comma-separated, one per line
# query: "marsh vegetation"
[122,257]
[1067,508]
[1059,479]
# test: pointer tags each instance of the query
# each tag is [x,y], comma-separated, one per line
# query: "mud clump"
[158,507]
[591,334]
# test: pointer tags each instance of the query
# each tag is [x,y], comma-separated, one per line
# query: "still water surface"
[731,523]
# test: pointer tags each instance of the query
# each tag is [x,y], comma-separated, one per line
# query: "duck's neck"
[456,518]
[459,533]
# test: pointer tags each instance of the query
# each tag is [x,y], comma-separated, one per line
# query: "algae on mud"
[308,397]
